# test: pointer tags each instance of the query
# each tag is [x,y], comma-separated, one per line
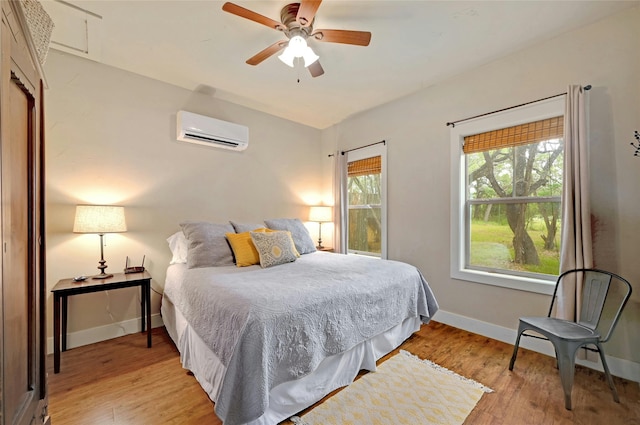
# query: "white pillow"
[179,247]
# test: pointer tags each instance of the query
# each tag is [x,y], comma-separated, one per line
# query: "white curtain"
[576,243]
[340,207]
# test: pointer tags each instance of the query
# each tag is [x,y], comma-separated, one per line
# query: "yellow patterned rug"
[403,390]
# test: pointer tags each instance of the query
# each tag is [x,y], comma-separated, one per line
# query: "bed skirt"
[291,397]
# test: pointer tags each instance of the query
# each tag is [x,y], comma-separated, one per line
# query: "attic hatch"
[77,31]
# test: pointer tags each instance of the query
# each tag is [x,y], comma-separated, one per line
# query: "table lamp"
[100,219]
[320,214]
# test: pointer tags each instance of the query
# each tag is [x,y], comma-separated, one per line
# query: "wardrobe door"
[18,274]
[23,398]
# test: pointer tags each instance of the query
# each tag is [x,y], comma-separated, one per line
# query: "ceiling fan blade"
[315,69]
[252,16]
[264,54]
[307,11]
[359,38]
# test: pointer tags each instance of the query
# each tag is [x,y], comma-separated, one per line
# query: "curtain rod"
[384,142]
[453,123]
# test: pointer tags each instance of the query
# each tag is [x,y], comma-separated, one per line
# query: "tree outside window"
[364,191]
[514,187]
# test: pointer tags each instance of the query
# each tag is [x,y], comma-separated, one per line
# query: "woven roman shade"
[523,134]
[366,166]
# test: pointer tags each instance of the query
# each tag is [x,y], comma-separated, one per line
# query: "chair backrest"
[600,289]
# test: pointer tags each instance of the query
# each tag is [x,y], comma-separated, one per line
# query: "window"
[506,197]
[365,192]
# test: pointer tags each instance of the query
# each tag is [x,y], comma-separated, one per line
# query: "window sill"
[364,254]
[539,286]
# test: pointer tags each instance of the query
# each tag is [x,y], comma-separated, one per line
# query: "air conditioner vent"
[210,139]
[207,131]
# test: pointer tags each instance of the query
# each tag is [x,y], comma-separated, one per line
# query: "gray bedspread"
[268,326]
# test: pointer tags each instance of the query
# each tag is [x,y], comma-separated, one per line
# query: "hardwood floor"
[121,382]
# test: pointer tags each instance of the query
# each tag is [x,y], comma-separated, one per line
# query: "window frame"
[459,222]
[363,153]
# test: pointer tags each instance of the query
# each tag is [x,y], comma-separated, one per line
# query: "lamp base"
[319,247]
[102,265]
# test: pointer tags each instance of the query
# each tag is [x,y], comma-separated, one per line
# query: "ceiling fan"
[296,22]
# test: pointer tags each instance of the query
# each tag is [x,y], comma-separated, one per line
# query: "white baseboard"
[618,367]
[103,333]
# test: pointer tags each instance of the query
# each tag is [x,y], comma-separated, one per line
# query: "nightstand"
[324,248]
[68,287]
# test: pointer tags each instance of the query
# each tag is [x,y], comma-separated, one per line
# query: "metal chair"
[604,295]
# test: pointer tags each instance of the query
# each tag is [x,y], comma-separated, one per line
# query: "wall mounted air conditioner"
[207,131]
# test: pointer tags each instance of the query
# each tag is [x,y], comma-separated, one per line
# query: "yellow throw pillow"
[243,248]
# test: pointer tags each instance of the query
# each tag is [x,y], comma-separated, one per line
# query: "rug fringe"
[444,370]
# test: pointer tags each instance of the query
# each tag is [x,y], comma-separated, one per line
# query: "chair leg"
[608,374]
[566,357]
[515,349]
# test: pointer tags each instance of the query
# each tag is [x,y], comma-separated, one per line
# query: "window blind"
[366,166]
[523,134]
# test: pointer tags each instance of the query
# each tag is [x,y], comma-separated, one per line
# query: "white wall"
[110,139]
[607,56]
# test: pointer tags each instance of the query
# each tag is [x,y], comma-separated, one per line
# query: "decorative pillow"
[274,248]
[208,246]
[299,233]
[243,248]
[178,245]
[245,227]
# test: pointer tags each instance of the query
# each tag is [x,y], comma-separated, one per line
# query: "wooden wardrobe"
[23,390]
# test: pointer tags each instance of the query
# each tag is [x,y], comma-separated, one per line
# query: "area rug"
[403,390]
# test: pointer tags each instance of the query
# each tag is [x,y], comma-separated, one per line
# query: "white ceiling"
[414,44]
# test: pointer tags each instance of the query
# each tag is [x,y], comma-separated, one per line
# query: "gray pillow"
[246,227]
[208,246]
[300,235]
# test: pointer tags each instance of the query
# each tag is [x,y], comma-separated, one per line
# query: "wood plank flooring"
[121,382]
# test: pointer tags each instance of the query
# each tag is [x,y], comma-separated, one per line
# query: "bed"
[267,342]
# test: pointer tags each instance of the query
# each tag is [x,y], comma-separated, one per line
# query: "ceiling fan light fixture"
[297,45]
[287,57]
[309,57]
[298,48]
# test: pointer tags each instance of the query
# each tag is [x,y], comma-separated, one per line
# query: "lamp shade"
[287,57]
[99,219]
[309,57]
[320,214]
[298,48]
